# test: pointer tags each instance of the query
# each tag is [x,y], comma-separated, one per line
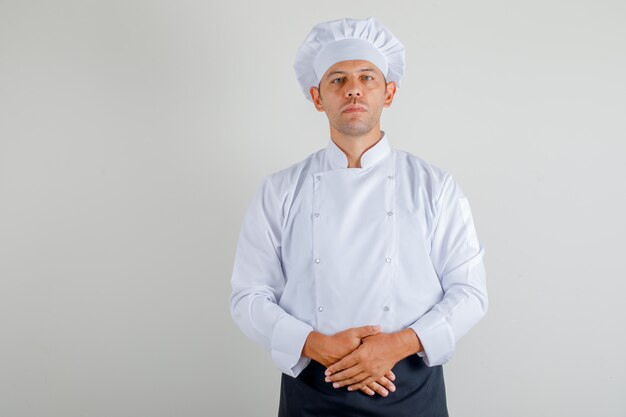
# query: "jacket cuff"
[436,338]
[288,339]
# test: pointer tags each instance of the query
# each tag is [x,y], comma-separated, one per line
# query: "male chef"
[359,267]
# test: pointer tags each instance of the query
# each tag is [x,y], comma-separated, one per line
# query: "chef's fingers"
[347,362]
[391,376]
[353,380]
[345,374]
[378,388]
[386,383]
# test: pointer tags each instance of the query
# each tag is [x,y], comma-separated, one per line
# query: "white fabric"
[348,49]
[348,39]
[327,247]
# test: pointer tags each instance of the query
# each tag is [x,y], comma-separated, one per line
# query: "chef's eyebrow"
[344,72]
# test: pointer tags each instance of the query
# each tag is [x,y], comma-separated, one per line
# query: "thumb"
[365,331]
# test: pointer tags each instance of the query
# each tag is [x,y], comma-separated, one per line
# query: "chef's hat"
[348,39]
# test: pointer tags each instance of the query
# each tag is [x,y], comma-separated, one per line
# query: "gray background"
[133,135]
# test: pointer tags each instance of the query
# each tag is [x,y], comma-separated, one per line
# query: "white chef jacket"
[325,247]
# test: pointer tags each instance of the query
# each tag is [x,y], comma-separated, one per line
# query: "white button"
[390,177]
[320,309]
[386,308]
[390,213]
[318,177]
[316,214]
[387,260]
[317,260]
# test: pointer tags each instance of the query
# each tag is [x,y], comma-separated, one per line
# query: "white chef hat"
[348,39]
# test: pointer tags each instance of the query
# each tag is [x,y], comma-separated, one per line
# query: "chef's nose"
[353,89]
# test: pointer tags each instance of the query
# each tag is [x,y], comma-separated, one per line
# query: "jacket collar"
[338,159]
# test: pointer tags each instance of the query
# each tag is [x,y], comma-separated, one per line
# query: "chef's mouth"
[354,110]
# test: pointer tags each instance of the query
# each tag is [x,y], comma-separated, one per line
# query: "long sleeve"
[258,283]
[457,256]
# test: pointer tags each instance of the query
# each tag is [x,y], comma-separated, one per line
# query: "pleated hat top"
[348,39]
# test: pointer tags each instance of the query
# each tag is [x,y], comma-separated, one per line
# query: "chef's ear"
[390,93]
[316,98]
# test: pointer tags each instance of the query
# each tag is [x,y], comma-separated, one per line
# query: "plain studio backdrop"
[133,135]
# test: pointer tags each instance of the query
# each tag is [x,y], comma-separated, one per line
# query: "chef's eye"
[368,77]
[337,80]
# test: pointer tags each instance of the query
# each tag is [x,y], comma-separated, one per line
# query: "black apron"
[420,392]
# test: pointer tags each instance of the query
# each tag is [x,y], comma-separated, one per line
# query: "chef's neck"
[355,146]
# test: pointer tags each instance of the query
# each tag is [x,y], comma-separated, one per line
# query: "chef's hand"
[328,350]
[381,386]
[376,355]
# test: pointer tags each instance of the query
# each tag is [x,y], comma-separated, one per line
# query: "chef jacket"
[325,247]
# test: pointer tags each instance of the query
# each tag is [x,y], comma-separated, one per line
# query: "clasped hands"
[361,358]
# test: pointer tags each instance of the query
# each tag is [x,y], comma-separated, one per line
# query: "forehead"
[350,66]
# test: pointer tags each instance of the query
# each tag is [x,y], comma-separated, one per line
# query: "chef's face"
[353,94]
